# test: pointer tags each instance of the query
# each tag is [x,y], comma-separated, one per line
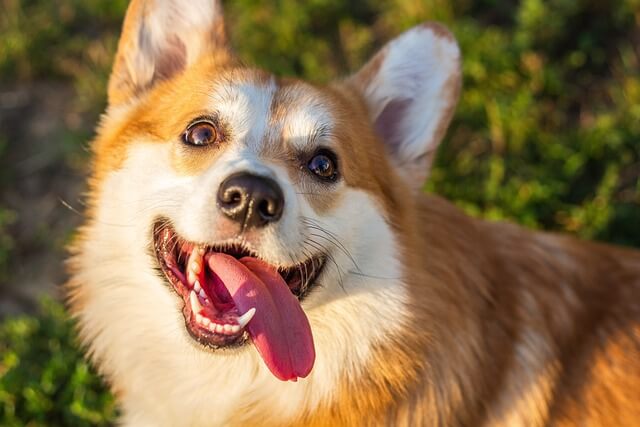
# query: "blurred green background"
[547,134]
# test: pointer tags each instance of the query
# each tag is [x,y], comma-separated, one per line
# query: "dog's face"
[230,206]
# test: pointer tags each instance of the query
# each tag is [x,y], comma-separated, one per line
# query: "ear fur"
[160,38]
[411,87]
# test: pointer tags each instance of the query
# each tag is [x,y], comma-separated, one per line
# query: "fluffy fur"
[424,316]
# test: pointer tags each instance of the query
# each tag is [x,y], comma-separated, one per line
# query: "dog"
[258,251]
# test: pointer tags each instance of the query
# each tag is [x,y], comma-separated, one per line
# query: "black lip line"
[238,342]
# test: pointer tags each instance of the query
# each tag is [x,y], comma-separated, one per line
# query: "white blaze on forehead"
[245,108]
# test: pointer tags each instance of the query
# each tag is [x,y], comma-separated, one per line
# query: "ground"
[46,177]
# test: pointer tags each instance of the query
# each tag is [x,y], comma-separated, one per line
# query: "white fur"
[308,123]
[421,67]
[134,322]
[162,20]
[246,107]
[528,388]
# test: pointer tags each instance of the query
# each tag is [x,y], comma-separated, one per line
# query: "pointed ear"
[160,38]
[411,88]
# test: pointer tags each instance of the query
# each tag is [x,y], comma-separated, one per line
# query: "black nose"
[251,200]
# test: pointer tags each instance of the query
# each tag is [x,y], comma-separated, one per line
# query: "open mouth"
[230,296]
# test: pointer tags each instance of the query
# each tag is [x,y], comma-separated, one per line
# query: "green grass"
[547,133]
[44,381]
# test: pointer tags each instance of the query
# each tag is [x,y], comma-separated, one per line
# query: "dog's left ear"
[411,88]
[161,38]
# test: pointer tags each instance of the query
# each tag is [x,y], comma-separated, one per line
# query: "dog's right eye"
[201,133]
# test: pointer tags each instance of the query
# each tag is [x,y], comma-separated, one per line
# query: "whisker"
[330,237]
[342,248]
[320,247]
[357,273]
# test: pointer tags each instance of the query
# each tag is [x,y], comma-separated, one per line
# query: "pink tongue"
[280,330]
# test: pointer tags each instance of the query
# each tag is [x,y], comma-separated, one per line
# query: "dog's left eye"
[200,134]
[324,165]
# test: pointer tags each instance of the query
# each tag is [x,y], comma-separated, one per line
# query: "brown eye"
[201,134]
[323,165]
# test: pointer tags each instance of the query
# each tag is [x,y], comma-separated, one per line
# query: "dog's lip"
[173,255]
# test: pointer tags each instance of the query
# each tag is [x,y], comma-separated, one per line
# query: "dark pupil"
[201,135]
[321,165]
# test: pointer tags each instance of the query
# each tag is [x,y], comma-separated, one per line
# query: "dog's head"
[230,206]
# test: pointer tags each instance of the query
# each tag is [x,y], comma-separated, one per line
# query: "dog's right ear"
[160,38]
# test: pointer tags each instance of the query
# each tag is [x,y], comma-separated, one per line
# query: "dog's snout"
[251,200]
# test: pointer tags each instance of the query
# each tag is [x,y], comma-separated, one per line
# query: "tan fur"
[471,311]
[505,326]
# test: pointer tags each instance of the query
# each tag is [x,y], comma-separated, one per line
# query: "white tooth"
[195,302]
[227,328]
[202,294]
[205,321]
[235,329]
[219,329]
[199,318]
[245,318]
[212,327]
[196,286]
[194,264]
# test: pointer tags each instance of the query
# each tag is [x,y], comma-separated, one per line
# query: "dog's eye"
[201,133]
[324,166]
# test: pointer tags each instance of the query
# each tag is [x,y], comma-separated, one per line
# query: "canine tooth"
[196,286]
[245,318]
[195,302]
[191,277]
[194,264]
[202,294]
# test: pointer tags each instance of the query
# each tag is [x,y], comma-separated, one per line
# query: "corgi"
[257,250]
